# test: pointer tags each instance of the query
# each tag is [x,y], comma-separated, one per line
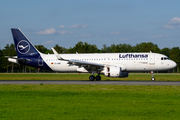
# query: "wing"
[89,66]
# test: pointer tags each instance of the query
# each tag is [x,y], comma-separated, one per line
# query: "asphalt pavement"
[80,82]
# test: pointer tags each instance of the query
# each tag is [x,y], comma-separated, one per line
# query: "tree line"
[84,47]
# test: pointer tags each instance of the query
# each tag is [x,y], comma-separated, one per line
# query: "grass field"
[112,102]
[76,76]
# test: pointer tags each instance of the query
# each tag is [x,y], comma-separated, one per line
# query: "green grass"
[76,76]
[112,102]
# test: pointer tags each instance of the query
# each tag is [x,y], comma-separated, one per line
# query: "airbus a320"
[109,64]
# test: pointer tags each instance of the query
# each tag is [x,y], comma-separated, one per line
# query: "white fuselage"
[127,61]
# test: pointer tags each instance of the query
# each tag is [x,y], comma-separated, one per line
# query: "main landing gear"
[97,78]
[152,74]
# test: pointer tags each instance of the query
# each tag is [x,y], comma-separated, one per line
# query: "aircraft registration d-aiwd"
[109,64]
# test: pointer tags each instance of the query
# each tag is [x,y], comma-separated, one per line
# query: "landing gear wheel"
[153,79]
[98,78]
[152,76]
[91,78]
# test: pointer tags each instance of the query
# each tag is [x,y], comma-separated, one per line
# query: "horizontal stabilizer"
[15,58]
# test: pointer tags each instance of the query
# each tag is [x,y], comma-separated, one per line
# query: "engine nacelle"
[114,71]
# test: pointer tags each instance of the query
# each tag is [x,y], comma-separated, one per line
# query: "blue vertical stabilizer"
[23,46]
[27,53]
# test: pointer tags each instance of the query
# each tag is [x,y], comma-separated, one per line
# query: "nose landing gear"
[152,76]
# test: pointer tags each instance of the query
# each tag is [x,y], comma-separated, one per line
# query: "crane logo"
[23,47]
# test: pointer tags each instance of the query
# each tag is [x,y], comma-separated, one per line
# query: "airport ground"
[82,76]
[44,101]
[89,102]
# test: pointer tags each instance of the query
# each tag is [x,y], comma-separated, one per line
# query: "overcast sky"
[65,22]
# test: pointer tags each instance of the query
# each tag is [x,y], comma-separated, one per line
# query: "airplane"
[109,64]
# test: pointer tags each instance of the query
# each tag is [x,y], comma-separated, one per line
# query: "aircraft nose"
[173,64]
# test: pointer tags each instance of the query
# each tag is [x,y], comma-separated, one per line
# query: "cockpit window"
[165,58]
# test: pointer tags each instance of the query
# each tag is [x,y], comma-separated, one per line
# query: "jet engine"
[114,71]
